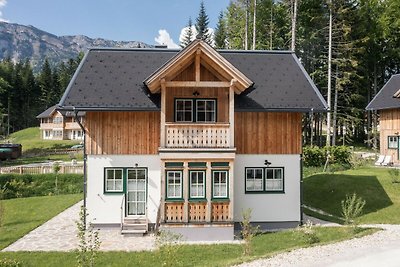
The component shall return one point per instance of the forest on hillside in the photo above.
(361, 37)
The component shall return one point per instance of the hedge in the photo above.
(29, 185)
(314, 156)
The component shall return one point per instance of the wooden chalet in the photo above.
(188, 139)
(387, 103)
(60, 124)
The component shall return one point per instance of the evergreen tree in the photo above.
(202, 24)
(45, 80)
(188, 37)
(220, 32)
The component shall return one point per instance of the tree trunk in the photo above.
(375, 114)
(328, 116)
(334, 122)
(294, 18)
(246, 30)
(254, 24)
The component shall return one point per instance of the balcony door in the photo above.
(136, 193)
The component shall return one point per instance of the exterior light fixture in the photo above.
(267, 163)
(196, 93)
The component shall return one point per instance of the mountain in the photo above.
(20, 42)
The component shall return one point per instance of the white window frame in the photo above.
(114, 180)
(273, 180)
(393, 142)
(174, 184)
(197, 184)
(253, 179)
(219, 184)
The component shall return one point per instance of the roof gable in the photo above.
(199, 53)
(387, 97)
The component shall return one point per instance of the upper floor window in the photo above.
(57, 120)
(392, 141)
(195, 110)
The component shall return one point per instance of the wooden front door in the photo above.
(136, 193)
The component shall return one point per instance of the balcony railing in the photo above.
(197, 212)
(197, 135)
(72, 126)
(49, 126)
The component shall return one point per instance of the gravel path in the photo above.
(379, 249)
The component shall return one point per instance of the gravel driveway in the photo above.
(379, 249)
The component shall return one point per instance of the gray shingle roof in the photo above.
(47, 113)
(384, 98)
(112, 79)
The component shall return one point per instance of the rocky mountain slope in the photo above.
(20, 42)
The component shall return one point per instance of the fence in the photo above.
(77, 169)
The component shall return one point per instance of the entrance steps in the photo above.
(137, 226)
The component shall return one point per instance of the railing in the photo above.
(197, 135)
(72, 125)
(122, 212)
(197, 212)
(77, 169)
(51, 126)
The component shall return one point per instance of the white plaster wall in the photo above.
(268, 207)
(105, 208)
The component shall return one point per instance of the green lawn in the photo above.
(325, 192)
(265, 245)
(25, 214)
(30, 139)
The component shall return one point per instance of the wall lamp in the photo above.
(267, 163)
(196, 93)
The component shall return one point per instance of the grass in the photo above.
(264, 245)
(38, 159)
(25, 214)
(326, 191)
(30, 140)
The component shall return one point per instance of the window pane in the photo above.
(110, 185)
(270, 173)
(118, 174)
(278, 173)
(118, 185)
(110, 174)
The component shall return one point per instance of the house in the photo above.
(191, 138)
(386, 102)
(60, 124)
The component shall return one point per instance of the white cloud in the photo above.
(164, 38)
(2, 4)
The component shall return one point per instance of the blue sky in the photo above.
(124, 20)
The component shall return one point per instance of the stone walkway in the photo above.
(59, 234)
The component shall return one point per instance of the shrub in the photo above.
(28, 185)
(314, 156)
(352, 207)
(394, 175)
(248, 232)
(308, 233)
(168, 244)
(9, 263)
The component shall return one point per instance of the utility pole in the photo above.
(328, 116)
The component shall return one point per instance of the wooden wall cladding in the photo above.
(122, 132)
(389, 125)
(268, 133)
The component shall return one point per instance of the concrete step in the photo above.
(133, 232)
(128, 220)
(135, 227)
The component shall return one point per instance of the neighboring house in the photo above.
(191, 138)
(60, 125)
(387, 103)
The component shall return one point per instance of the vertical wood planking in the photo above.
(268, 132)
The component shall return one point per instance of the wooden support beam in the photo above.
(162, 197)
(185, 190)
(197, 84)
(231, 190)
(163, 107)
(232, 112)
(197, 64)
(208, 192)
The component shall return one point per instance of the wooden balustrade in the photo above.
(220, 212)
(197, 212)
(174, 212)
(197, 136)
(72, 125)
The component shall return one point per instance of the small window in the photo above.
(254, 179)
(197, 184)
(274, 179)
(114, 180)
(205, 110)
(174, 184)
(220, 184)
(184, 110)
(57, 120)
(393, 142)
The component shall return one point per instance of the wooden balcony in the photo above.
(50, 126)
(197, 212)
(72, 126)
(216, 135)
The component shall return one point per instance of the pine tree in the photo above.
(202, 24)
(45, 80)
(220, 32)
(188, 34)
